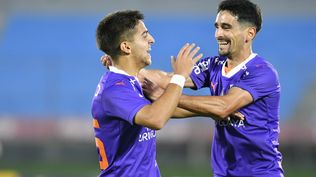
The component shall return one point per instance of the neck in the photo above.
(126, 64)
(238, 58)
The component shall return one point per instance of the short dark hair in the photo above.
(115, 28)
(244, 10)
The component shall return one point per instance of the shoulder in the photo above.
(214, 60)
(116, 80)
(113, 83)
(260, 69)
(259, 64)
(207, 63)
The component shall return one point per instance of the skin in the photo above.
(234, 38)
(234, 41)
(136, 55)
(136, 50)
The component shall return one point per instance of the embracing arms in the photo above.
(217, 107)
(156, 115)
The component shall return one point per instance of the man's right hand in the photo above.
(183, 64)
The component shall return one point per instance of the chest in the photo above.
(219, 83)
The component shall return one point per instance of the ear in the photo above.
(125, 47)
(251, 34)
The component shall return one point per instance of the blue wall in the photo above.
(50, 64)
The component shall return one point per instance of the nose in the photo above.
(151, 39)
(218, 33)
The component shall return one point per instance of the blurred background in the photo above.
(49, 69)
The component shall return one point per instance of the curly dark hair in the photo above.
(244, 10)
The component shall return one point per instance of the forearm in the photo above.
(183, 113)
(211, 106)
(163, 78)
(188, 82)
(159, 112)
(217, 106)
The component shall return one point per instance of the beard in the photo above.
(224, 53)
(224, 47)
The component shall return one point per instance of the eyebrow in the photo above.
(223, 24)
(145, 32)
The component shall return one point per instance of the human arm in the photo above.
(217, 106)
(161, 78)
(155, 115)
(153, 92)
(180, 113)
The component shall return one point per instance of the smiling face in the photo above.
(141, 45)
(231, 35)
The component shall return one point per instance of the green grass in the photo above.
(168, 169)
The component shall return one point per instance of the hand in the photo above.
(237, 115)
(185, 61)
(106, 60)
(158, 77)
(151, 90)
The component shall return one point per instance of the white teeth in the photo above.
(223, 43)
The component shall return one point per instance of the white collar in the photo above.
(238, 67)
(118, 71)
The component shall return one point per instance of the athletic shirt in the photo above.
(249, 147)
(124, 148)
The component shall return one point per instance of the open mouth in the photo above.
(222, 43)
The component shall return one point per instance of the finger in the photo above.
(103, 60)
(188, 49)
(197, 58)
(239, 115)
(193, 52)
(173, 60)
(108, 63)
(142, 72)
(180, 53)
(148, 82)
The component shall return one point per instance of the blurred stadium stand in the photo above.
(49, 67)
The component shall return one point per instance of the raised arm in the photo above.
(155, 115)
(162, 78)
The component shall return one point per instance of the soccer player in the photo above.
(239, 80)
(124, 120)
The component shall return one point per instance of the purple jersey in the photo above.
(249, 147)
(125, 149)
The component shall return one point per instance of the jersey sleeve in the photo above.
(200, 73)
(123, 102)
(259, 81)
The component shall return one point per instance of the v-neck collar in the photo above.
(238, 67)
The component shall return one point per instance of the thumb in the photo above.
(173, 60)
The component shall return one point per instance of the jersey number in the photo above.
(104, 160)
